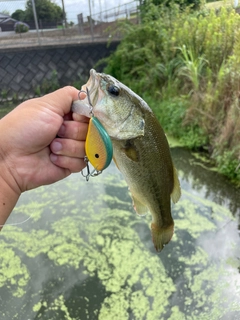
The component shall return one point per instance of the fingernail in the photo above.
(53, 157)
(82, 95)
(62, 130)
(56, 146)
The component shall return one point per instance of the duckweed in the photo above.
(85, 254)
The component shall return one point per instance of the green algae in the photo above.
(28, 209)
(214, 280)
(95, 234)
(176, 314)
(57, 309)
(13, 273)
(191, 220)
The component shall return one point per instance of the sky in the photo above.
(72, 7)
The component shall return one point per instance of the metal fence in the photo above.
(86, 27)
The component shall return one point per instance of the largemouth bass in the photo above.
(140, 150)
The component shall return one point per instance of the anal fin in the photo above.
(140, 208)
(176, 193)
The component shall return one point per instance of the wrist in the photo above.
(9, 192)
(8, 200)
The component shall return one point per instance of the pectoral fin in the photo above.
(131, 151)
(176, 193)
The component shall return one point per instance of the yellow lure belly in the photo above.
(98, 146)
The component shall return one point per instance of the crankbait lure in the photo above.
(98, 145)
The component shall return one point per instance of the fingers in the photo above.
(82, 95)
(72, 164)
(74, 130)
(68, 154)
(80, 117)
(68, 147)
(60, 101)
(68, 150)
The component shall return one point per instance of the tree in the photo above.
(18, 15)
(46, 11)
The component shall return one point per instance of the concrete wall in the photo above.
(22, 70)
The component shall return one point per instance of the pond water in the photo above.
(85, 254)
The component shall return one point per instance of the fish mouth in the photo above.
(92, 87)
(86, 105)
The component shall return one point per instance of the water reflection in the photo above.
(209, 184)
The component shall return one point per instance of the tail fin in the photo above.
(161, 236)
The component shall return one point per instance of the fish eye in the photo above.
(113, 90)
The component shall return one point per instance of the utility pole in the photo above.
(36, 21)
(64, 15)
(100, 7)
(90, 19)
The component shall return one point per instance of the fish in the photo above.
(140, 150)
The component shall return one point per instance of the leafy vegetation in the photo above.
(182, 3)
(21, 27)
(18, 15)
(185, 64)
(47, 11)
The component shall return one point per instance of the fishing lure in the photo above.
(98, 145)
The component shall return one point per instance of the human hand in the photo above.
(39, 142)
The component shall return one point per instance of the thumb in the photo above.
(60, 101)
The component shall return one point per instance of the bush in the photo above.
(21, 27)
(229, 165)
(188, 62)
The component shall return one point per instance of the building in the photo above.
(6, 22)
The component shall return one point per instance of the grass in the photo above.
(219, 4)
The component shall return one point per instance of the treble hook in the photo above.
(89, 174)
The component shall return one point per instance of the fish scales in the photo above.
(140, 151)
